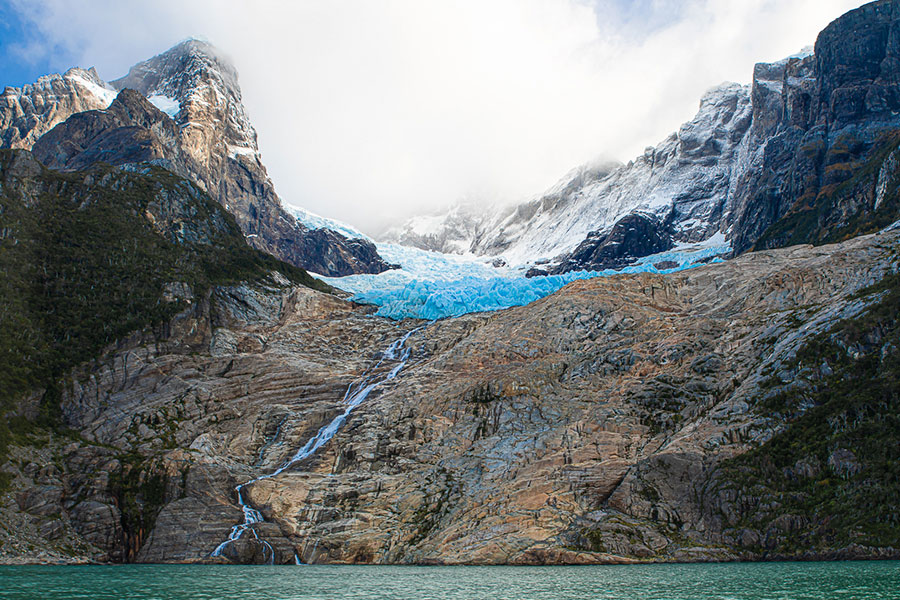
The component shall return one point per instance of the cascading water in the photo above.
(356, 393)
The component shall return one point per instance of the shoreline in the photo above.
(848, 554)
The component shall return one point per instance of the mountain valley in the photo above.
(194, 372)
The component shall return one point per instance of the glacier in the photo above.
(432, 286)
(311, 220)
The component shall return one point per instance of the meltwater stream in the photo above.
(356, 393)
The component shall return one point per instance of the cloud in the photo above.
(371, 110)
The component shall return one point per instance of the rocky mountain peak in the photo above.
(28, 112)
(200, 86)
(207, 137)
(807, 127)
(176, 70)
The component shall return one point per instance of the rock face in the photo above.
(582, 428)
(130, 131)
(29, 112)
(829, 158)
(798, 157)
(631, 237)
(88, 259)
(207, 138)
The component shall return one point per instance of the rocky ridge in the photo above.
(768, 165)
(29, 112)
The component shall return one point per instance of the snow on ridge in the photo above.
(105, 94)
(311, 220)
(804, 53)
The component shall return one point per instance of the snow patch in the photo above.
(805, 53)
(168, 105)
(716, 241)
(235, 151)
(106, 95)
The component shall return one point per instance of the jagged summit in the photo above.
(213, 143)
(198, 79)
(28, 112)
(178, 71)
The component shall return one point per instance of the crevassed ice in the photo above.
(432, 285)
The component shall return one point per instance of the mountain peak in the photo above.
(181, 66)
(195, 47)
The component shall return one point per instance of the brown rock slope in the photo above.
(582, 428)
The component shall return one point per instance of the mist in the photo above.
(372, 111)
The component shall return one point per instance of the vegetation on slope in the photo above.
(85, 258)
(845, 206)
(831, 478)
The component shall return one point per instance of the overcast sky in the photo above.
(372, 110)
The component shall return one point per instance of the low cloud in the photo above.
(369, 111)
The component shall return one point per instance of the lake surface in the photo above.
(765, 581)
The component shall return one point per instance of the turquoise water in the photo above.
(764, 581)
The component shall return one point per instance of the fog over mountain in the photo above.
(371, 112)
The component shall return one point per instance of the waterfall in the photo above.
(356, 393)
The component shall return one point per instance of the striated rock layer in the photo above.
(583, 428)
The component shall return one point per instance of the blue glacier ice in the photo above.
(431, 285)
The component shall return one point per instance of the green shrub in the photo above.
(83, 263)
(856, 408)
